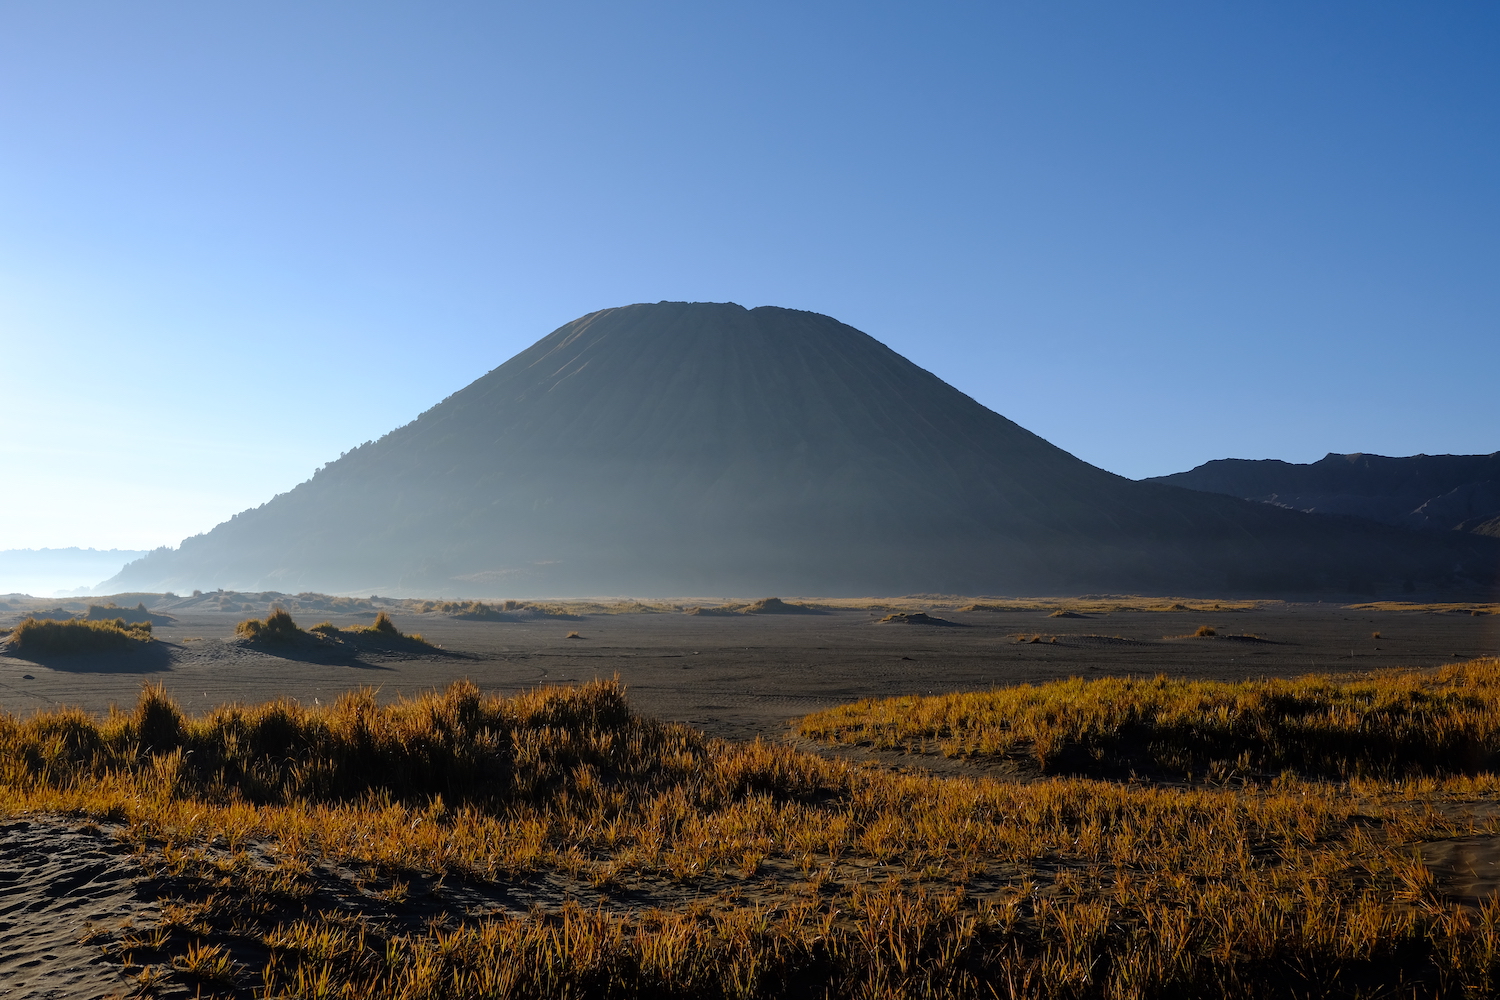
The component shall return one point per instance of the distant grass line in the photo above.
(47, 636)
(1060, 606)
(1461, 609)
(764, 606)
(111, 610)
(1398, 722)
(497, 609)
(481, 611)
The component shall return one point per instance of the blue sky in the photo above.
(239, 239)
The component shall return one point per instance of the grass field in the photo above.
(338, 850)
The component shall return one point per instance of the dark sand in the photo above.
(742, 676)
(62, 881)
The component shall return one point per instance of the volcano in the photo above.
(710, 449)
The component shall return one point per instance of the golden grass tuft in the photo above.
(40, 637)
(277, 626)
(1205, 632)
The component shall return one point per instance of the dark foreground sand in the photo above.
(60, 881)
(744, 676)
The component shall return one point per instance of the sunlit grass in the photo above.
(1396, 722)
(760, 871)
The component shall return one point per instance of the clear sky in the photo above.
(238, 239)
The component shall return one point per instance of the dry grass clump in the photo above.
(45, 636)
(706, 868)
(1399, 722)
(383, 631)
(277, 626)
(280, 628)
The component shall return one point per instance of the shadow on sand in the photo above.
(326, 654)
(151, 658)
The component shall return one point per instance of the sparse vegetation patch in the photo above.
(1452, 609)
(1109, 604)
(279, 628)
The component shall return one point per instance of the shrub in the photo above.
(1204, 632)
(277, 626)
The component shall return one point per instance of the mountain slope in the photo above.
(1427, 492)
(695, 448)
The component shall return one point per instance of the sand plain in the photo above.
(743, 676)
